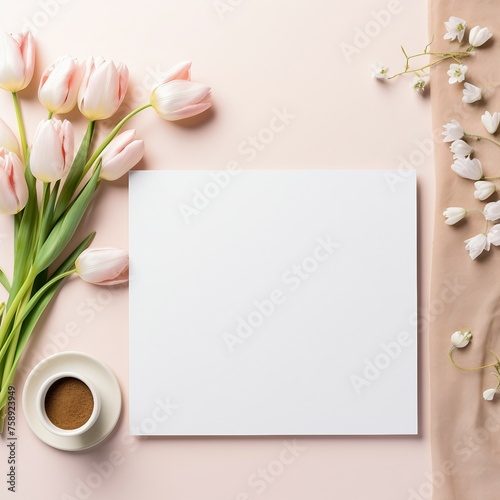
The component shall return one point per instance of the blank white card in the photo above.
(273, 302)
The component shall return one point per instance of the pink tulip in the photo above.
(13, 187)
(180, 71)
(53, 148)
(7, 139)
(17, 60)
(179, 99)
(103, 88)
(103, 266)
(59, 85)
(121, 154)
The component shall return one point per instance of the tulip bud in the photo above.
(59, 85)
(52, 152)
(8, 140)
(121, 154)
(179, 99)
(13, 187)
(461, 338)
(103, 266)
(180, 71)
(17, 60)
(103, 88)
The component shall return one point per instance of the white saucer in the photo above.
(98, 373)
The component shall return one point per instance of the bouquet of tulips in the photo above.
(47, 188)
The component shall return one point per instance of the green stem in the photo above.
(492, 365)
(443, 57)
(11, 311)
(111, 136)
(20, 125)
(479, 137)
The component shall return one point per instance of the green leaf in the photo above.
(48, 212)
(24, 245)
(35, 308)
(75, 173)
(66, 226)
(4, 281)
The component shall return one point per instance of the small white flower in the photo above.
(468, 168)
(492, 211)
(471, 93)
(479, 36)
(455, 28)
(491, 121)
(454, 215)
(489, 394)
(460, 149)
(379, 71)
(418, 84)
(477, 244)
(494, 235)
(484, 189)
(461, 338)
(457, 73)
(452, 131)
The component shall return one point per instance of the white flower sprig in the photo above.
(467, 167)
(455, 32)
(461, 339)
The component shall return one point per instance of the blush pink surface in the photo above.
(310, 59)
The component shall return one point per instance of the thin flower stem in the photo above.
(111, 136)
(443, 57)
(20, 125)
(492, 365)
(479, 137)
(51, 114)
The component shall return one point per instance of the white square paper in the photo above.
(272, 302)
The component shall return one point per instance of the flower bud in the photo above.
(491, 121)
(468, 168)
(179, 99)
(59, 85)
(103, 88)
(13, 187)
(53, 148)
(103, 266)
(479, 36)
(491, 211)
(17, 60)
(484, 189)
(121, 154)
(461, 338)
(489, 394)
(454, 215)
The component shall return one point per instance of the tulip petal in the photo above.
(103, 266)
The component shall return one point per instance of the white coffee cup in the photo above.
(42, 414)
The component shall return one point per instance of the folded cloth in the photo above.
(465, 294)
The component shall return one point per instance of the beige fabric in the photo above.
(465, 294)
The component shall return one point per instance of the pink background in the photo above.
(257, 56)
